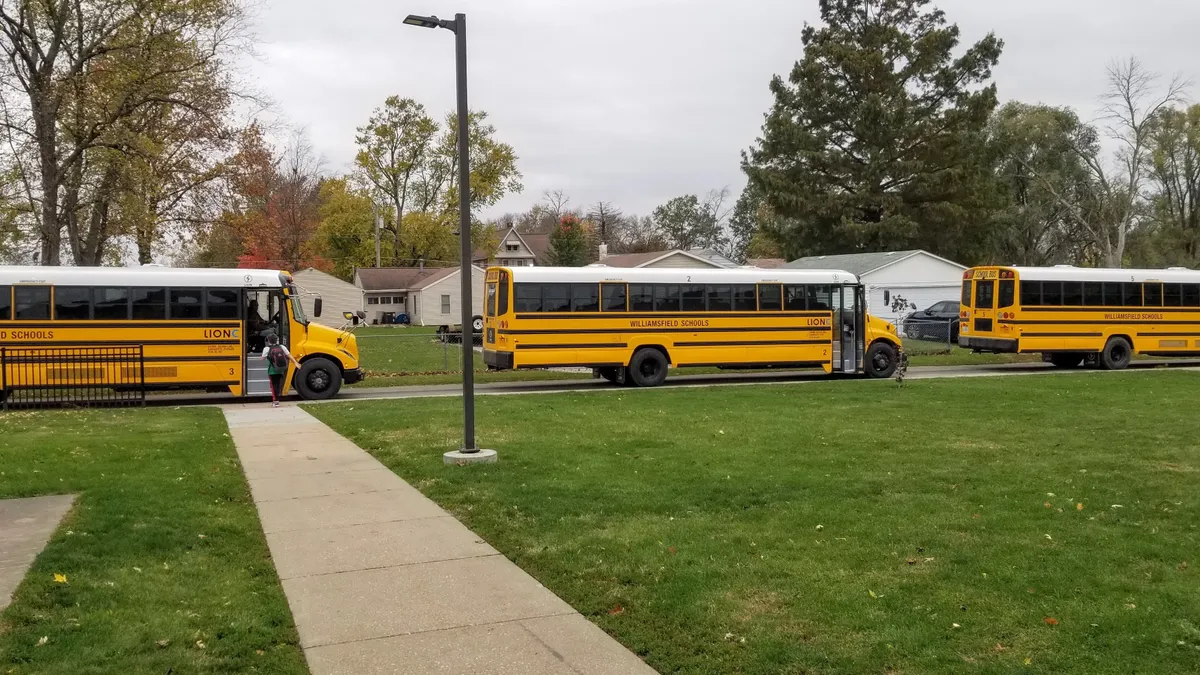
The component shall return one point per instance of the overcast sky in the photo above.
(637, 101)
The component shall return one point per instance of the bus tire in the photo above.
(1066, 359)
(648, 367)
(477, 324)
(318, 379)
(881, 360)
(1117, 354)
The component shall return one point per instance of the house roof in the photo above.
(705, 256)
(324, 276)
(396, 278)
(861, 263)
(403, 278)
(767, 263)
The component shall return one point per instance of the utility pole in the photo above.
(378, 228)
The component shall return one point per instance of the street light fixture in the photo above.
(469, 452)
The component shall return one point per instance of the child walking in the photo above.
(277, 357)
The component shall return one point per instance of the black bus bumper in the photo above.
(353, 376)
(495, 360)
(996, 345)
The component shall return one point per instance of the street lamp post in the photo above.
(469, 452)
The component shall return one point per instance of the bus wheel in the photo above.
(477, 324)
(1117, 354)
(881, 360)
(648, 367)
(1066, 359)
(318, 379)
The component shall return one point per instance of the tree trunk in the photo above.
(51, 229)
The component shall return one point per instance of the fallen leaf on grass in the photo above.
(616, 610)
(954, 625)
(1079, 507)
(200, 644)
(672, 550)
(1050, 621)
(1130, 606)
(163, 643)
(1028, 661)
(911, 561)
(1046, 504)
(1181, 566)
(60, 578)
(43, 641)
(259, 652)
(999, 648)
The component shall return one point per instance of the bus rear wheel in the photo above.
(881, 360)
(318, 379)
(648, 367)
(1066, 359)
(1117, 354)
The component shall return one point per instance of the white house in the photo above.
(429, 296)
(919, 277)
(337, 296)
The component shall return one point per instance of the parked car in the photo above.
(934, 322)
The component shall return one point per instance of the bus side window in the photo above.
(1113, 294)
(641, 298)
(529, 297)
(770, 298)
(612, 297)
(32, 302)
(820, 298)
(1132, 293)
(110, 303)
(149, 303)
(966, 293)
(222, 303)
(1093, 293)
(795, 298)
(1172, 295)
(5, 303)
(72, 303)
(1154, 295)
(1191, 295)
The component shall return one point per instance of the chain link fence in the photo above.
(928, 336)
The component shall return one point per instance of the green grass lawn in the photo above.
(395, 357)
(166, 567)
(1039, 524)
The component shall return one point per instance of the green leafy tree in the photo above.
(569, 243)
(1175, 178)
(1043, 183)
(876, 139)
(346, 234)
(410, 164)
(686, 222)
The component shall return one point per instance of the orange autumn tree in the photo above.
(271, 210)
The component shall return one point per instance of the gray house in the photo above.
(430, 296)
(337, 296)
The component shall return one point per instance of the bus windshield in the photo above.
(297, 308)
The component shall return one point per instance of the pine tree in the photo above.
(876, 140)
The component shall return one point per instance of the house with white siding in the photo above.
(337, 296)
(918, 277)
(424, 296)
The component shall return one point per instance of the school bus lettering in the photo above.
(27, 335)
(1133, 317)
(819, 322)
(669, 323)
(220, 333)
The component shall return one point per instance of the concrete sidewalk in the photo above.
(26, 526)
(381, 580)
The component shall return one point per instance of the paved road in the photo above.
(723, 379)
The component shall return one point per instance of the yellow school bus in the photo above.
(631, 325)
(196, 328)
(1071, 314)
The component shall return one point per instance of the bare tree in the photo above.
(555, 202)
(606, 217)
(1132, 103)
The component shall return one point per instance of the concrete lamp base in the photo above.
(460, 458)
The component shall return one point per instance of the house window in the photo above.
(445, 304)
(372, 300)
(512, 247)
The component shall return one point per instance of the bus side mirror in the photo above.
(317, 307)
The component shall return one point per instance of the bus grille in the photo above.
(983, 325)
